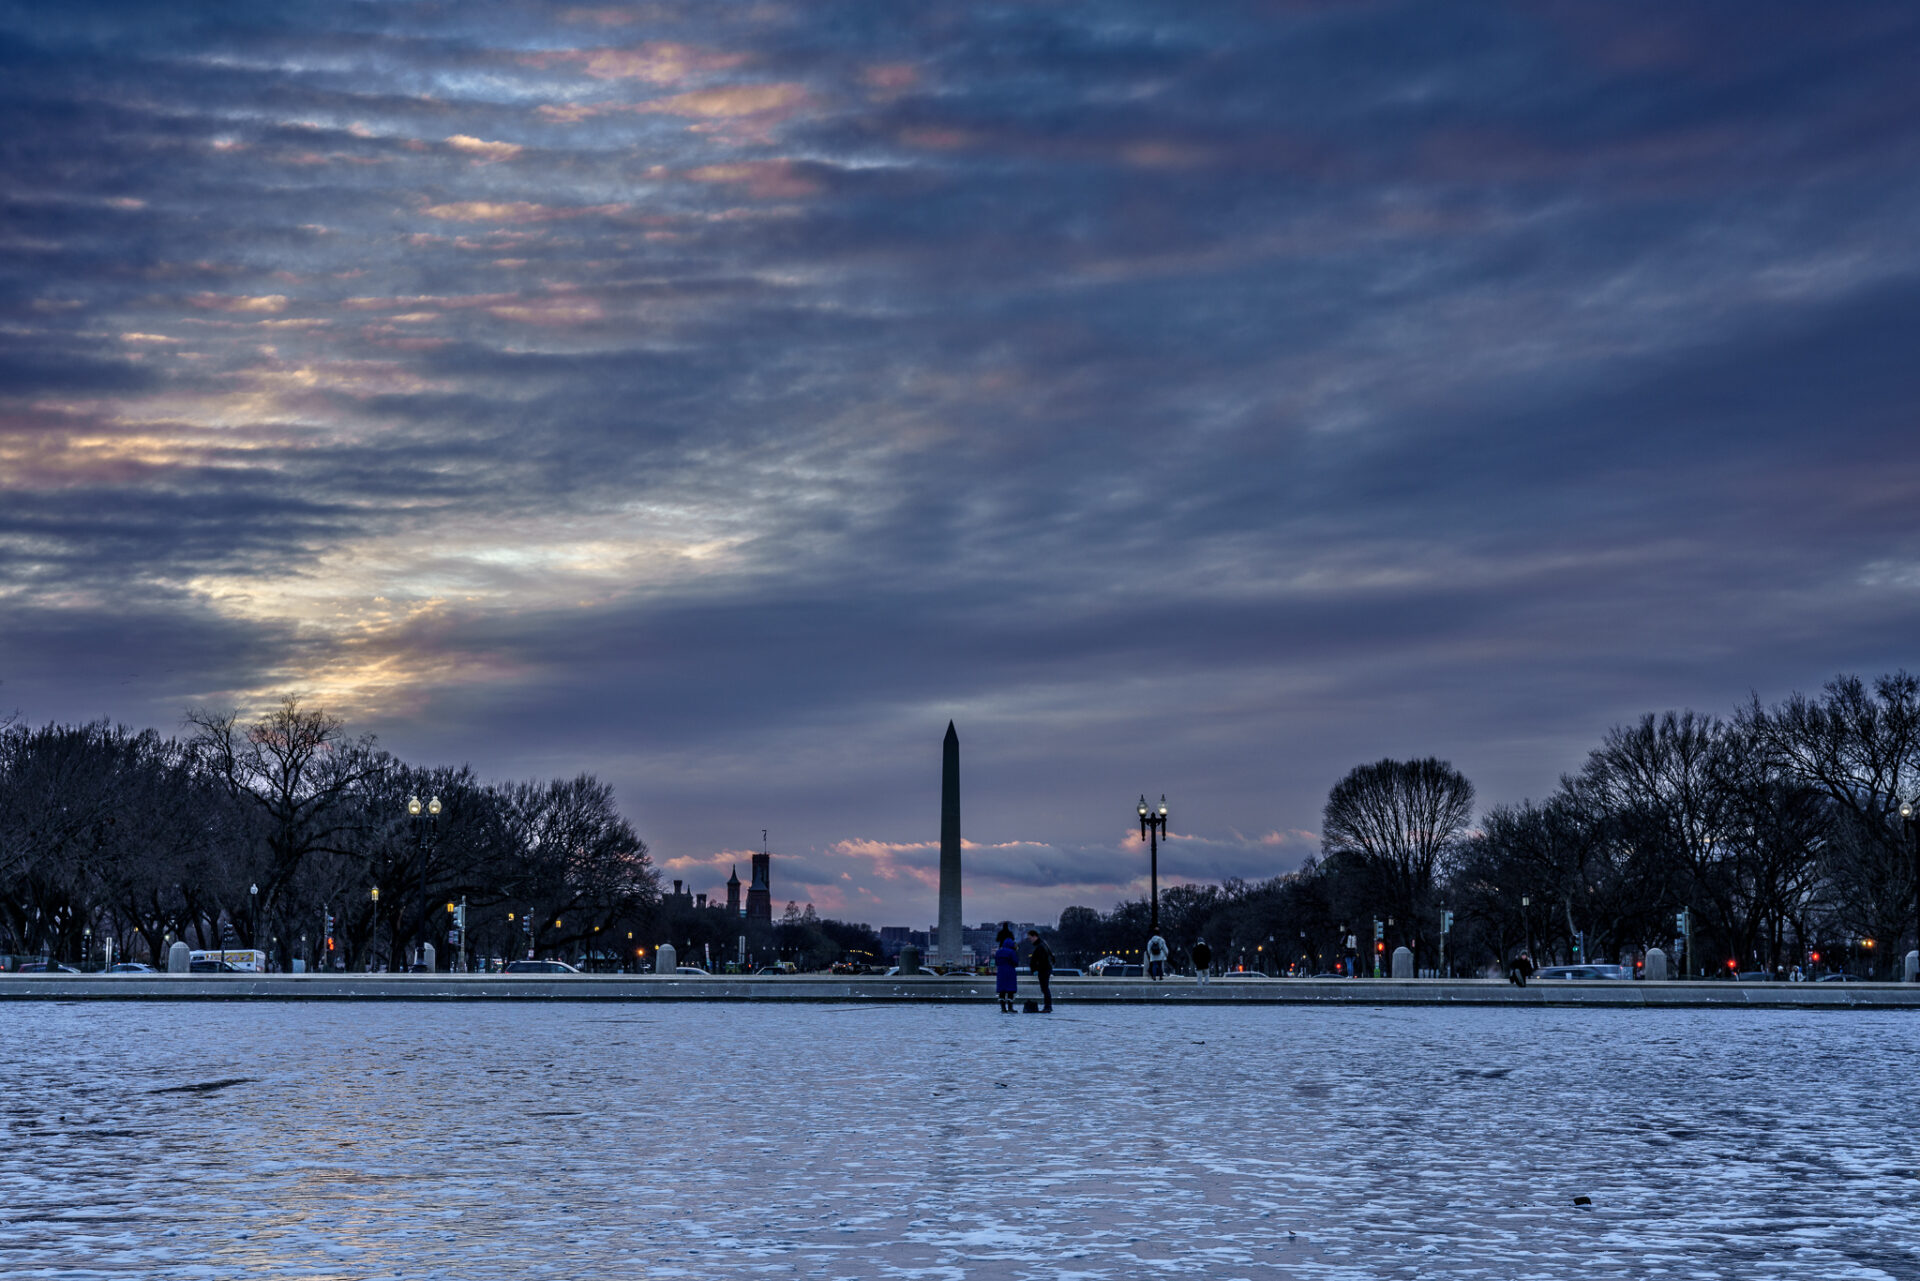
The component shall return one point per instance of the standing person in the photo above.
(1005, 981)
(1521, 970)
(1202, 961)
(1040, 961)
(1156, 957)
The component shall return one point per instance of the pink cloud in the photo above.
(765, 179)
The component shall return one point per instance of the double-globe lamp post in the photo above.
(1153, 826)
(423, 824)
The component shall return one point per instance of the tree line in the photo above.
(253, 834)
(1777, 830)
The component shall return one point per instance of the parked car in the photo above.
(693, 970)
(778, 967)
(44, 967)
(1068, 972)
(1840, 978)
(540, 967)
(205, 966)
(131, 967)
(1756, 976)
(1244, 975)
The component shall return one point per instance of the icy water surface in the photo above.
(588, 1141)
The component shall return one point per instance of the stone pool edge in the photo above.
(845, 989)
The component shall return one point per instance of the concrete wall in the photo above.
(536, 987)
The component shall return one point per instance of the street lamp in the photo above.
(1526, 925)
(376, 917)
(423, 826)
(1912, 830)
(253, 914)
(1153, 826)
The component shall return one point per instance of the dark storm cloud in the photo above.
(722, 398)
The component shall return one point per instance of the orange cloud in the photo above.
(568, 114)
(514, 211)
(484, 150)
(734, 101)
(766, 179)
(566, 309)
(239, 302)
(660, 62)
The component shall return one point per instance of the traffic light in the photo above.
(1379, 930)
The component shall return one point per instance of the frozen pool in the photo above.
(585, 1141)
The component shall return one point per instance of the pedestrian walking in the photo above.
(1006, 982)
(1202, 961)
(1040, 961)
(1520, 970)
(1156, 957)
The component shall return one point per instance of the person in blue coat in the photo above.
(1005, 982)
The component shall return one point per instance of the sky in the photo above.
(1184, 399)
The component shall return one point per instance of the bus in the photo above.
(251, 960)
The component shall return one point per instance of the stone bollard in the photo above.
(665, 959)
(1402, 963)
(178, 960)
(426, 956)
(1656, 970)
(1913, 967)
(909, 959)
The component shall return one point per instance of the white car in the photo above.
(692, 971)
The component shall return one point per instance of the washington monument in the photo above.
(952, 933)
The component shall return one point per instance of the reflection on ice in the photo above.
(516, 1141)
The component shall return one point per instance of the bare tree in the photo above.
(297, 768)
(1402, 819)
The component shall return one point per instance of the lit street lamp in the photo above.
(253, 916)
(1912, 830)
(375, 935)
(423, 826)
(1153, 826)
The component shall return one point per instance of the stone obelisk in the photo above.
(952, 934)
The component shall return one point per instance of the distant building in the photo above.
(680, 897)
(760, 892)
(895, 937)
(733, 891)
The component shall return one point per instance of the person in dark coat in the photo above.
(1202, 961)
(1521, 970)
(1005, 982)
(1040, 961)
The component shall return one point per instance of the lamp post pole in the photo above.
(423, 824)
(1911, 827)
(376, 922)
(1153, 825)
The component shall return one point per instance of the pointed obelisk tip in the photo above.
(953, 735)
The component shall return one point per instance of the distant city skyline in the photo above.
(721, 399)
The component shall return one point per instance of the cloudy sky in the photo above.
(1198, 399)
